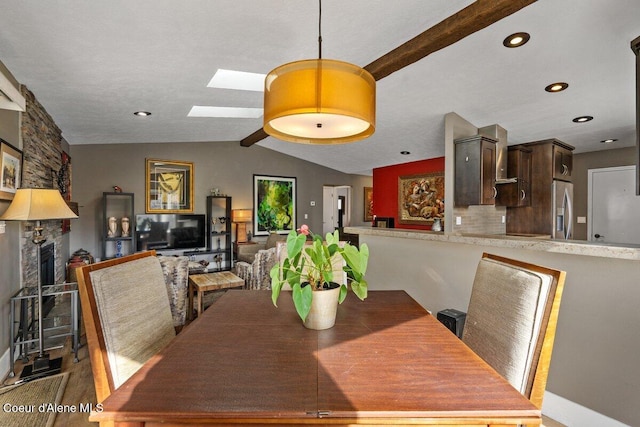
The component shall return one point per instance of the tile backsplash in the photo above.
(480, 219)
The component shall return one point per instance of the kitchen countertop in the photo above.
(535, 243)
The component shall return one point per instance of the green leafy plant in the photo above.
(312, 264)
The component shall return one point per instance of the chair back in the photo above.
(511, 320)
(127, 317)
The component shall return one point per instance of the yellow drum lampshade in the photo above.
(319, 101)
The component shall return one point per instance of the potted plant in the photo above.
(309, 270)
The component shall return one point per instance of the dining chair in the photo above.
(511, 320)
(127, 316)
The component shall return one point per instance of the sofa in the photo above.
(255, 261)
(257, 274)
(247, 253)
(175, 270)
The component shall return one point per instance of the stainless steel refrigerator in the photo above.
(562, 210)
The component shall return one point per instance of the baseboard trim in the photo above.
(572, 414)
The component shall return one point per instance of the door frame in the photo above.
(590, 173)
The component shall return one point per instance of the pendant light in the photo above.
(319, 101)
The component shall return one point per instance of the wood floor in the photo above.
(79, 386)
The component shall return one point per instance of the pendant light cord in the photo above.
(320, 29)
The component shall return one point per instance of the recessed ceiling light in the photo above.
(582, 119)
(516, 40)
(227, 112)
(142, 113)
(556, 87)
(405, 153)
(608, 141)
(239, 80)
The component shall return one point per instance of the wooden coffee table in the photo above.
(200, 283)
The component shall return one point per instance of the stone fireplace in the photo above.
(48, 264)
(42, 159)
(48, 273)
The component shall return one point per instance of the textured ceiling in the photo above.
(93, 63)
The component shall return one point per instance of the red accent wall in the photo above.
(385, 187)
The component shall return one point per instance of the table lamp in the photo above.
(38, 204)
(241, 217)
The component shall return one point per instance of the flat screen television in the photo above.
(170, 232)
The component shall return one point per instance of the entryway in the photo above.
(336, 207)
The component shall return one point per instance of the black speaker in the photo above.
(453, 319)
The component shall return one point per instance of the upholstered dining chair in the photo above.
(127, 316)
(511, 320)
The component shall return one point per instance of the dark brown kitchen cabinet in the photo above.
(562, 163)
(547, 160)
(518, 192)
(475, 171)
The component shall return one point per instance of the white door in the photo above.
(329, 210)
(613, 206)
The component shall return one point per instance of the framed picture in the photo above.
(274, 204)
(10, 170)
(420, 198)
(368, 204)
(63, 176)
(169, 186)
(63, 182)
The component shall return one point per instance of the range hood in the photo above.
(499, 134)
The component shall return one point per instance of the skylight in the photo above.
(239, 80)
(228, 112)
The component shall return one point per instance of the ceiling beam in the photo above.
(258, 135)
(478, 15)
(473, 18)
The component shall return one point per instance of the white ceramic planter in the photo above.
(323, 309)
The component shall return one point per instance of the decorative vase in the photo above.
(84, 256)
(324, 307)
(125, 226)
(112, 226)
(437, 225)
(73, 263)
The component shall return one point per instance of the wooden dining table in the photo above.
(386, 361)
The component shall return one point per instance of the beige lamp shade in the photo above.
(35, 204)
(241, 215)
(319, 101)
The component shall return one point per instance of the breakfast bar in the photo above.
(597, 318)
